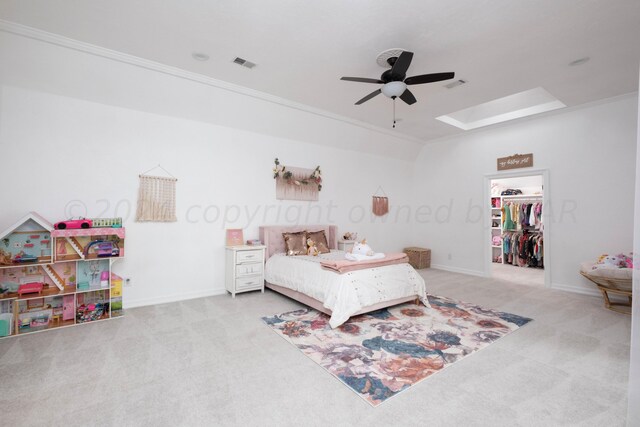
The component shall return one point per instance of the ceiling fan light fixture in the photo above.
(393, 89)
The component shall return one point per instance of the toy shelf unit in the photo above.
(86, 244)
(37, 296)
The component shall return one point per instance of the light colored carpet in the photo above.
(212, 361)
(518, 275)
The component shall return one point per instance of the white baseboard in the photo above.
(458, 270)
(576, 289)
(586, 291)
(172, 298)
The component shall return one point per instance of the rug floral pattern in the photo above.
(382, 353)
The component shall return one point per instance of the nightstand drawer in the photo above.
(249, 283)
(244, 269)
(248, 256)
(249, 269)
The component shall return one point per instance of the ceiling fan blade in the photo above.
(408, 97)
(361, 80)
(368, 97)
(401, 65)
(428, 78)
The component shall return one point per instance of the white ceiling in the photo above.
(302, 48)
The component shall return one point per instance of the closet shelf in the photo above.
(524, 196)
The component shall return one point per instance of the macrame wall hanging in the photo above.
(156, 197)
(380, 203)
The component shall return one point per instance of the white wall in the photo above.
(77, 129)
(633, 416)
(590, 155)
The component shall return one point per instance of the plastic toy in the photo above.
(30, 288)
(6, 287)
(104, 248)
(90, 312)
(104, 279)
(23, 257)
(107, 222)
(73, 224)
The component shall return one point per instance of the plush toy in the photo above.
(312, 249)
(611, 261)
(615, 261)
(350, 236)
(626, 260)
(361, 248)
(362, 252)
(496, 241)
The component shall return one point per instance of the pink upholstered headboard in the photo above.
(271, 235)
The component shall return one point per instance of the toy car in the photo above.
(73, 224)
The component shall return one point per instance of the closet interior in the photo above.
(517, 229)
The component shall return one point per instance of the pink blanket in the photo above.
(345, 266)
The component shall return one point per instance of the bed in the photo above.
(338, 295)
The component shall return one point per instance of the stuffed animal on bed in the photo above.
(312, 249)
(362, 252)
(361, 248)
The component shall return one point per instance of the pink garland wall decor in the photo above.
(297, 183)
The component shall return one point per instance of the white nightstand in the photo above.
(244, 269)
(345, 245)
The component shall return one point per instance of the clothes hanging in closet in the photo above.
(523, 248)
(518, 216)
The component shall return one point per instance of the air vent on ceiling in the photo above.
(455, 84)
(244, 62)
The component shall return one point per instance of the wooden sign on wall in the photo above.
(516, 161)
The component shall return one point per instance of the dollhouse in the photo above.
(55, 278)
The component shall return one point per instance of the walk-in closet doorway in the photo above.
(517, 228)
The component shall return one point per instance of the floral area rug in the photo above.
(383, 353)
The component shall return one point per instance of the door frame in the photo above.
(546, 215)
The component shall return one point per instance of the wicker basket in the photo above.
(418, 257)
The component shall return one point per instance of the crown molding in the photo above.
(58, 40)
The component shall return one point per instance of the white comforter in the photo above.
(344, 294)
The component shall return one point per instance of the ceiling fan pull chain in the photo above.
(394, 112)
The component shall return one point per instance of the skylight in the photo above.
(523, 104)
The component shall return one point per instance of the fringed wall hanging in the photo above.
(380, 203)
(156, 198)
(297, 183)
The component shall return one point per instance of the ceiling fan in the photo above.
(395, 80)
